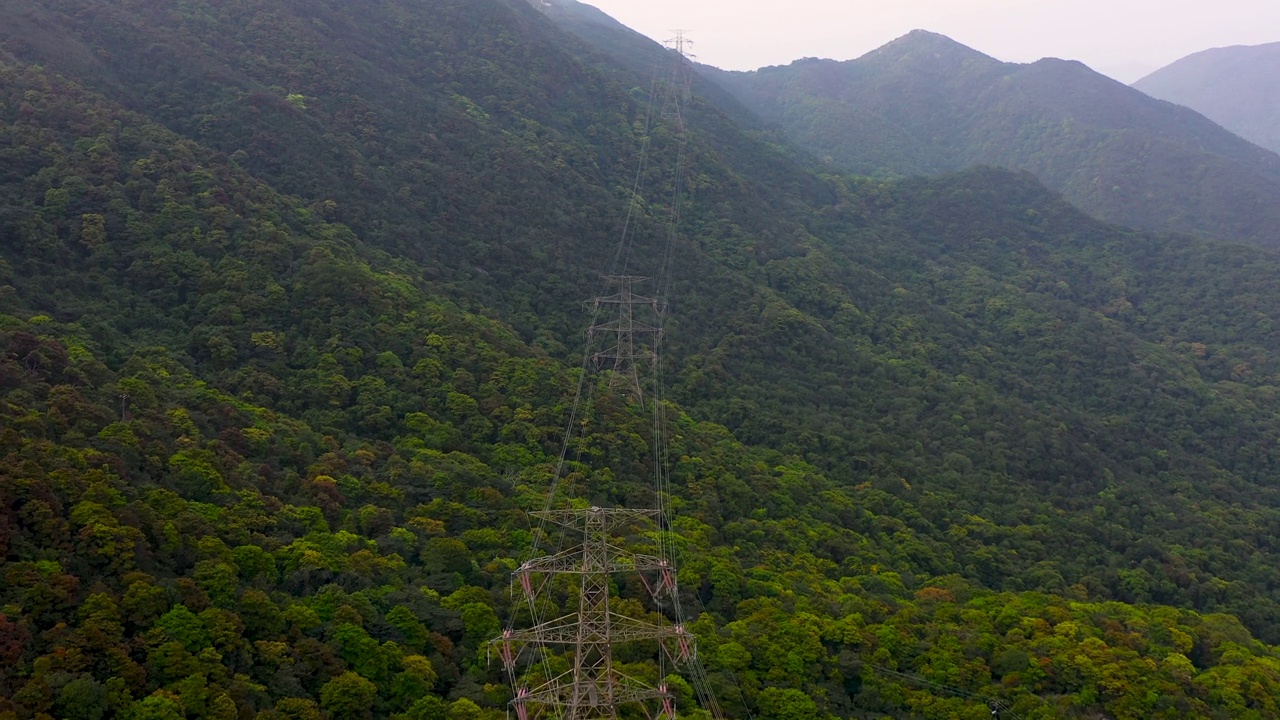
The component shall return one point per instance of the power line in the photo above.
(999, 708)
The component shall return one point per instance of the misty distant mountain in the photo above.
(925, 104)
(1237, 87)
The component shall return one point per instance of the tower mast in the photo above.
(594, 687)
(625, 351)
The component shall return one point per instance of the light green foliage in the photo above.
(788, 704)
(348, 697)
(157, 707)
(428, 708)
(417, 680)
(185, 627)
(464, 709)
(298, 709)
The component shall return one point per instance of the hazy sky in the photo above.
(1122, 38)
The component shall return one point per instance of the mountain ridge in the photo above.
(1234, 86)
(907, 108)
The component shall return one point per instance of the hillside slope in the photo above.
(926, 104)
(1236, 87)
(944, 427)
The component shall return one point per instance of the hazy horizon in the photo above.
(1124, 39)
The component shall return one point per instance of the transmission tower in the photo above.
(622, 339)
(681, 45)
(593, 686)
(681, 49)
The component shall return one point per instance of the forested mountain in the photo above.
(1237, 87)
(926, 104)
(289, 330)
(640, 56)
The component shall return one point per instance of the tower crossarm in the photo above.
(576, 519)
(571, 630)
(570, 561)
(625, 298)
(626, 281)
(623, 326)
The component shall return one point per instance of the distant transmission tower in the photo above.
(593, 686)
(681, 44)
(622, 339)
(681, 49)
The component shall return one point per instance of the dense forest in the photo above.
(289, 329)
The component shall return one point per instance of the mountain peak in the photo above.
(923, 45)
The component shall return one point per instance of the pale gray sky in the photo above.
(1122, 38)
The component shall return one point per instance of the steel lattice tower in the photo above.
(593, 687)
(623, 337)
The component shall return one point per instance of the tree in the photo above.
(261, 617)
(170, 661)
(298, 709)
(417, 680)
(360, 651)
(414, 632)
(185, 627)
(13, 638)
(82, 699)
(348, 697)
(464, 709)
(428, 707)
(100, 622)
(143, 602)
(786, 704)
(160, 706)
